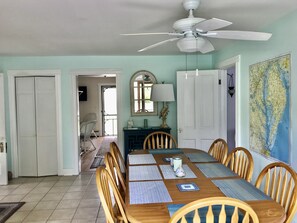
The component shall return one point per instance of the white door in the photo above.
(201, 108)
(26, 126)
(36, 126)
(3, 154)
(46, 126)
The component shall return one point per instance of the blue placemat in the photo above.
(165, 151)
(212, 170)
(147, 192)
(149, 172)
(141, 159)
(172, 208)
(240, 189)
(200, 157)
(168, 172)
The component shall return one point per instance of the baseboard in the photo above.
(69, 172)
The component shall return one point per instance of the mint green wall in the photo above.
(283, 41)
(163, 67)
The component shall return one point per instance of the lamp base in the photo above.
(163, 115)
(164, 125)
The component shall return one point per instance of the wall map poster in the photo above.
(270, 107)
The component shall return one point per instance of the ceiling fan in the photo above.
(191, 33)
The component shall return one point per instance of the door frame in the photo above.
(3, 154)
(231, 62)
(2, 104)
(100, 103)
(75, 108)
(12, 74)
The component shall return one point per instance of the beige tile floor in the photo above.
(55, 199)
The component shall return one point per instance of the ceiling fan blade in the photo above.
(211, 24)
(146, 34)
(158, 44)
(207, 46)
(238, 35)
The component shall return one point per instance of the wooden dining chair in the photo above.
(219, 150)
(110, 197)
(279, 181)
(240, 161)
(115, 152)
(234, 207)
(159, 140)
(115, 171)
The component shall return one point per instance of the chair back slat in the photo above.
(235, 215)
(279, 182)
(278, 186)
(290, 196)
(240, 161)
(267, 182)
(248, 213)
(284, 186)
(273, 182)
(246, 218)
(223, 215)
(196, 217)
(159, 140)
(209, 215)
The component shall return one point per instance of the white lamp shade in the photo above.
(162, 92)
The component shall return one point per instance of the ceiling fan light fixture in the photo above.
(190, 44)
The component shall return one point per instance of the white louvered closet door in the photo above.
(36, 126)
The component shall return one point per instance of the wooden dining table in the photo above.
(152, 189)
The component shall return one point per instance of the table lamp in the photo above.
(163, 93)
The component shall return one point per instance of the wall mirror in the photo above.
(140, 93)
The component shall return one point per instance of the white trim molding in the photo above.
(75, 108)
(12, 74)
(235, 61)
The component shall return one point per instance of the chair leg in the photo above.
(92, 144)
(93, 132)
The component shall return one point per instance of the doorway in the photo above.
(101, 95)
(231, 100)
(232, 65)
(109, 110)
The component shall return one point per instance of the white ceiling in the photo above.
(92, 27)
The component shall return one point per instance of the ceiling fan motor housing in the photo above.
(186, 24)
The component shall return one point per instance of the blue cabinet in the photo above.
(134, 137)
